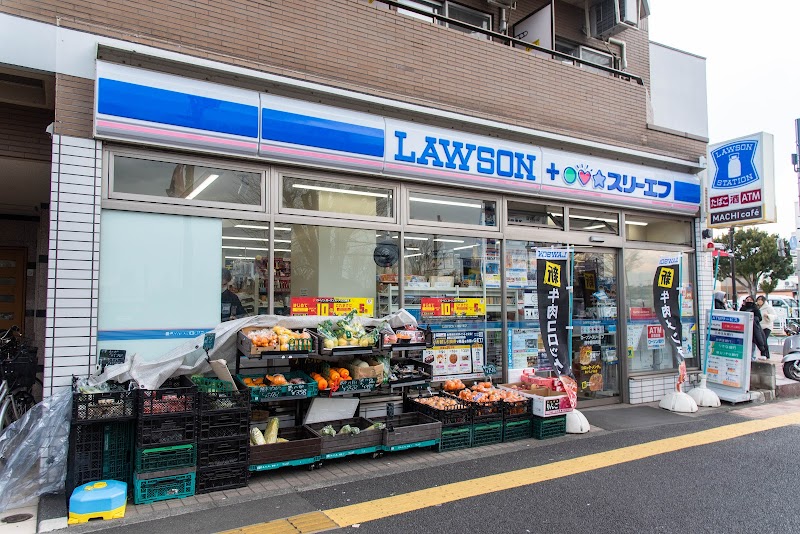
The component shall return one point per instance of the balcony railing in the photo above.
(555, 54)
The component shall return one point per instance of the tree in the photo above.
(757, 258)
(767, 286)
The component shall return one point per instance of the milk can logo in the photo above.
(735, 165)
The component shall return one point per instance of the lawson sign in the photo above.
(741, 181)
(164, 110)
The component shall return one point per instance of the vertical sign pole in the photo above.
(708, 325)
(735, 296)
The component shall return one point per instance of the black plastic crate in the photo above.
(519, 409)
(216, 395)
(118, 404)
(223, 452)
(456, 437)
(516, 429)
(549, 427)
(176, 396)
(157, 431)
(487, 433)
(455, 415)
(221, 478)
(85, 455)
(234, 424)
(486, 412)
(161, 458)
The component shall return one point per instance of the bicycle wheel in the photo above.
(21, 402)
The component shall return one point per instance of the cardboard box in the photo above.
(546, 402)
(375, 370)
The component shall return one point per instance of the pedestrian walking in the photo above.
(749, 305)
(768, 316)
(719, 301)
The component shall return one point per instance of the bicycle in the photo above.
(19, 366)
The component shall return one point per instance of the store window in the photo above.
(245, 268)
(359, 266)
(184, 183)
(452, 210)
(336, 198)
(658, 230)
(647, 349)
(530, 214)
(452, 284)
(599, 222)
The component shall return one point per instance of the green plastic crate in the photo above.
(118, 439)
(268, 393)
(164, 488)
(454, 438)
(162, 458)
(518, 429)
(487, 433)
(549, 427)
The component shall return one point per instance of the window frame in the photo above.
(664, 216)
(279, 209)
(181, 205)
(470, 194)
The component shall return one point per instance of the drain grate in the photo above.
(16, 518)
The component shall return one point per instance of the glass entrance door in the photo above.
(595, 360)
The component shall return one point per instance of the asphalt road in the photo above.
(743, 484)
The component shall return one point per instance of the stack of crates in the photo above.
(101, 437)
(487, 423)
(166, 448)
(549, 427)
(224, 435)
(456, 421)
(517, 423)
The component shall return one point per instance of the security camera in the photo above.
(49, 129)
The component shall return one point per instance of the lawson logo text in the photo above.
(735, 165)
(467, 157)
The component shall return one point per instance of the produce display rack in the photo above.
(303, 448)
(351, 387)
(406, 346)
(345, 445)
(409, 430)
(284, 392)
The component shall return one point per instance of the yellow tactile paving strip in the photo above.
(408, 502)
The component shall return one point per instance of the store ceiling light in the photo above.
(594, 227)
(282, 241)
(587, 218)
(200, 188)
(282, 229)
(244, 238)
(442, 240)
(446, 202)
(468, 246)
(411, 238)
(636, 223)
(412, 248)
(239, 258)
(412, 255)
(342, 191)
(282, 250)
(243, 248)
(252, 226)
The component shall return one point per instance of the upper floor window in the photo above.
(585, 53)
(451, 10)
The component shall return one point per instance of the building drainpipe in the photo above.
(623, 60)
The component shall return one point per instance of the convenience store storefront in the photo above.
(298, 200)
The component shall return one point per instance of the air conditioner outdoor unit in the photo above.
(609, 17)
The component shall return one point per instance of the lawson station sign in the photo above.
(741, 182)
(154, 108)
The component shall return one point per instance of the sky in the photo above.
(753, 74)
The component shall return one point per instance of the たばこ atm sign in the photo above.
(741, 181)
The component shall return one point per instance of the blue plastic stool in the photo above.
(105, 499)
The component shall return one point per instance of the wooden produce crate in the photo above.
(304, 447)
(408, 430)
(344, 445)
